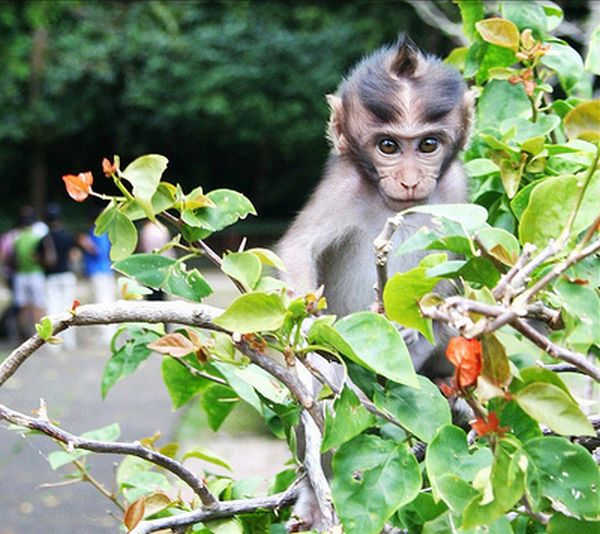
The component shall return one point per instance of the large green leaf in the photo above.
(566, 474)
(350, 419)
(421, 411)
(448, 454)
(181, 384)
(401, 297)
(229, 207)
(253, 312)
(245, 267)
(378, 345)
(550, 204)
(584, 121)
(471, 216)
(501, 100)
(127, 358)
(218, 401)
(526, 14)
(372, 479)
(551, 406)
(144, 174)
(566, 62)
(506, 484)
(471, 11)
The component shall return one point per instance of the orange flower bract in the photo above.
(79, 186)
(465, 355)
(491, 426)
(108, 168)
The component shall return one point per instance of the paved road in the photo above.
(70, 385)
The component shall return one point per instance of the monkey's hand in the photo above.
(409, 335)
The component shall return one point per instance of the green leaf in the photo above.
(471, 216)
(181, 384)
(554, 15)
(525, 129)
(506, 485)
(237, 382)
(496, 367)
(567, 64)
(471, 11)
(245, 267)
(123, 237)
(127, 358)
(144, 175)
(207, 456)
(551, 406)
(253, 312)
(268, 257)
(107, 433)
(401, 297)
(477, 269)
(526, 15)
(582, 304)
(368, 466)
(162, 200)
(592, 60)
(480, 167)
(44, 328)
(350, 419)
(420, 411)
(559, 524)
(499, 101)
(584, 121)
(378, 345)
(229, 207)
(148, 269)
(218, 401)
(566, 474)
(500, 32)
(500, 244)
(550, 205)
(448, 454)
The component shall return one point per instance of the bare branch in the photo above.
(224, 509)
(435, 17)
(288, 378)
(505, 281)
(122, 311)
(314, 470)
(112, 447)
(383, 246)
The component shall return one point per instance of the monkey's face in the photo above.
(408, 167)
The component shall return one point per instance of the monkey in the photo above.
(398, 121)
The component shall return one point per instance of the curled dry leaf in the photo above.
(79, 186)
(465, 355)
(134, 513)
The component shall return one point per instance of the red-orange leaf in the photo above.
(491, 426)
(465, 354)
(108, 168)
(134, 513)
(80, 186)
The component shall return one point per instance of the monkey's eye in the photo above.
(428, 144)
(388, 146)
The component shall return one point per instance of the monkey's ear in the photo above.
(468, 112)
(334, 128)
(407, 57)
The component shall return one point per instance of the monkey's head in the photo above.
(401, 118)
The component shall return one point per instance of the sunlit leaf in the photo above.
(500, 32)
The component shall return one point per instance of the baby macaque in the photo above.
(397, 123)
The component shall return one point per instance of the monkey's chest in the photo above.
(348, 274)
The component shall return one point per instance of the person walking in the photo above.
(55, 250)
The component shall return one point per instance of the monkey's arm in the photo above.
(326, 219)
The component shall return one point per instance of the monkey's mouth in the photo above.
(394, 192)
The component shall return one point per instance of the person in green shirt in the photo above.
(28, 275)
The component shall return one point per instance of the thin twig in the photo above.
(558, 269)
(224, 509)
(505, 280)
(122, 311)
(112, 447)
(573, 358)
